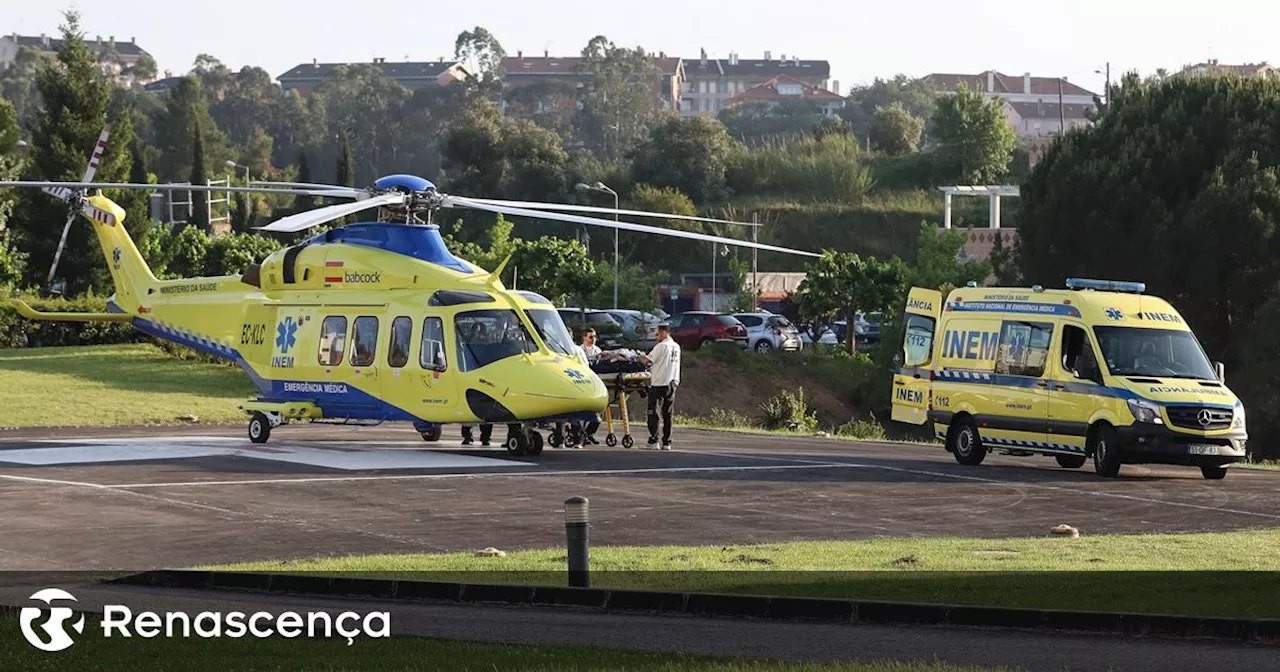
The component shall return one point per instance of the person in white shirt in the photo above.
(664, 378)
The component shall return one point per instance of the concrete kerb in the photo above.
(717, 605)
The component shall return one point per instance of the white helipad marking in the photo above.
(347, 458)
(417, 477)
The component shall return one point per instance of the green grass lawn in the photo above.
(92, 651)
(1210, 574)
(112, 385)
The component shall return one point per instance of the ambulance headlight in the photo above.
(1145, 411)
(1237, 416)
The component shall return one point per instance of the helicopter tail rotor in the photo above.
(76, 200)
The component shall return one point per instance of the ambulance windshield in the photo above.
(1162, 353)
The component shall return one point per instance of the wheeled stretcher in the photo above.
(620, 387)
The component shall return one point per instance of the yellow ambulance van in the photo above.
(1098, 370)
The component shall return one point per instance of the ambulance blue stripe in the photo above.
(1013, 307)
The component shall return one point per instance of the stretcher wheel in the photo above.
(555, 439)
(627, 442)
(611, 440)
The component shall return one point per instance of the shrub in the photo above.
(863, 429)
(17, 331)
(788, 411)
(719, 417)
(827, 168)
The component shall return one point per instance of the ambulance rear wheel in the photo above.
(1070, 461)
(1106, 452)
(965, 443)
(259, 427)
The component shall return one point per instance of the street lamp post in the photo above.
(601, 187)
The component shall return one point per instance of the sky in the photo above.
(861, 40)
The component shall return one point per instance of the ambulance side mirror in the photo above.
(1220, 370)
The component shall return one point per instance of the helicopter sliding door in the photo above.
(418, 376)
(347, 354)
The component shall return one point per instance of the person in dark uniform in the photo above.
(486, 431)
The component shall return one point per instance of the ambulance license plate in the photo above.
(1203, 449)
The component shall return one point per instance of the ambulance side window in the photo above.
(1078, 358)
(918, 342)
(1024, 348)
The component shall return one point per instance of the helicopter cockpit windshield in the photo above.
(487, 336)
(552, 330)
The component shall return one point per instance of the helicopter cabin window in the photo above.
(401, 335)
(333, 340)
(487, 336)
(364, 341)
(432, 356)
(552, 330)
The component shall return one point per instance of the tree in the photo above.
(346, 171)
(840, 284)
(186, 114)
(686, 153)
(9, 132)
(915, 95)
(975, 141)
(619, 102)
(200, 205)
(303, 203)
(938, 265)
(756, 121)
(483, 56)
(894, 131)
(76, 99)
(1180, 200)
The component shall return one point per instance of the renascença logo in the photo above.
(53, 627)
(118, 619)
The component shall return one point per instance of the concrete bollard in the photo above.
(575, 528)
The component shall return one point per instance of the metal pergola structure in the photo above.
(993, 192)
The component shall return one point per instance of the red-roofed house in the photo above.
(786, 87)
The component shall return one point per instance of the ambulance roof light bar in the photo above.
(1107, 285)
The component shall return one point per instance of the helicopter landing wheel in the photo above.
(259, 427)
(611, 440)
(535, 443)
(433, 434)
(515, 444)
(627, 441)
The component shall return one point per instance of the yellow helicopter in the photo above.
(369, 322)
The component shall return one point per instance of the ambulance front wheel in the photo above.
(1106, 452)
(1214, 473)
(965, 443)
(259, 427)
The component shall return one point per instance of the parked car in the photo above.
(866, 327)
(823, 335)
(695, 329)
(766, 331)
(608, 330)
(639, 329)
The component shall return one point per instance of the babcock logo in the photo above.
(55, 626)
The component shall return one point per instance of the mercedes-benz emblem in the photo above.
(1204, 417)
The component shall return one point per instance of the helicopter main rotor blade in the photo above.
(310, 218)
(589, 208)
(457, 201)
(337, 191)
(162, 187)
